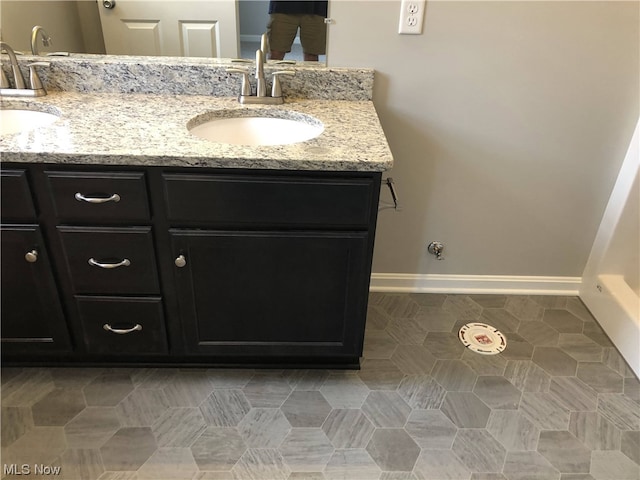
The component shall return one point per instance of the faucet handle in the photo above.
(4, 81)
(34, 78)
(245, 87)
(276, 89)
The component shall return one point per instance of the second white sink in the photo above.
(255, 127)
(18, 120)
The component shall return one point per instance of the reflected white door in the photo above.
(171, 28)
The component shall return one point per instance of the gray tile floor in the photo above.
(559, 403)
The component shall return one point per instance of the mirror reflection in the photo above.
(191, 28)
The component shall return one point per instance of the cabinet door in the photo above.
(32, 317)
(276, 294)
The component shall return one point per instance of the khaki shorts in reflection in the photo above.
(283, 27)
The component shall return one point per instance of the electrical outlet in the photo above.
(411, 17)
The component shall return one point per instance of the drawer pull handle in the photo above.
(32, 256)
(113, 198)
(180, 261)
(120, 331)
(124, 263)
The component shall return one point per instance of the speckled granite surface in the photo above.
(196, 76)
(134, 111)
(151, 130)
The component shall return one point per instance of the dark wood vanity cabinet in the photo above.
(32, 320)
(203, 266)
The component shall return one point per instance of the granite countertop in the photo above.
(150, 130)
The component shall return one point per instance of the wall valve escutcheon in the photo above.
(436, 248)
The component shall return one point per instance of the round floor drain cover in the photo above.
(482, 338)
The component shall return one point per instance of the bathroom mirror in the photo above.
(212, 29)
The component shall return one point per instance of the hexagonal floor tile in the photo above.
(225, 408)
(218, 448)
(465, 410)
(545, 411)
(562, 321)
(454, 375)
(108, 390)
(169, 463)
(554, 361)
(513, 430)
(610, 465)
(528, 465)
(57, 407)
(527, 376)
(413, 360)
(266, 390)
(380, 374)
(431, 429)
(600, 377)
(15, 422)
(344, 390)
(564, 452)
(348, 428)
(306, 450)
(574, 394)
(621, 410)
(258, 463)
(421, 391)
(82, 463)
(538, 333)
(393, 449)
(142, 407)
(595, 431)
(264, 428)
(306, 409)
(497, 392)
(128, 449)
(630, 445)
(524, 308)
(440, 464)
(179, 427)
(92, 427)
(351, 464)
(386, 409)
(444, 345)
(188, 389)
(479, 451)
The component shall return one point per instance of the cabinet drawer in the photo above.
(237, 200)
(110, 260)
(16, 202)
(99, 197)
(115, 325)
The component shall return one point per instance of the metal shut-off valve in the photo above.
(436, 248)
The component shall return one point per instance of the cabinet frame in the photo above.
(179, 333)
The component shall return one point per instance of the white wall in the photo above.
(508, 122)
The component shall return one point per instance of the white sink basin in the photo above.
(255, 127)
(18, 120)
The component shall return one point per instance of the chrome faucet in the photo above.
(46, 39)
(246, 95)
(261, 83)
(19, 88)
(18, 79)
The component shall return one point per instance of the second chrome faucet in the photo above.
(246, 92)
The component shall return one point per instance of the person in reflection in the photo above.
(286, 16)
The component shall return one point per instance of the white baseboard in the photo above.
(474, 284)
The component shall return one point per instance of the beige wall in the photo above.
(508, 122)
(59, 18)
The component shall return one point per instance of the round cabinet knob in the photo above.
(108, 3)
(32, 256)
(180, 261)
